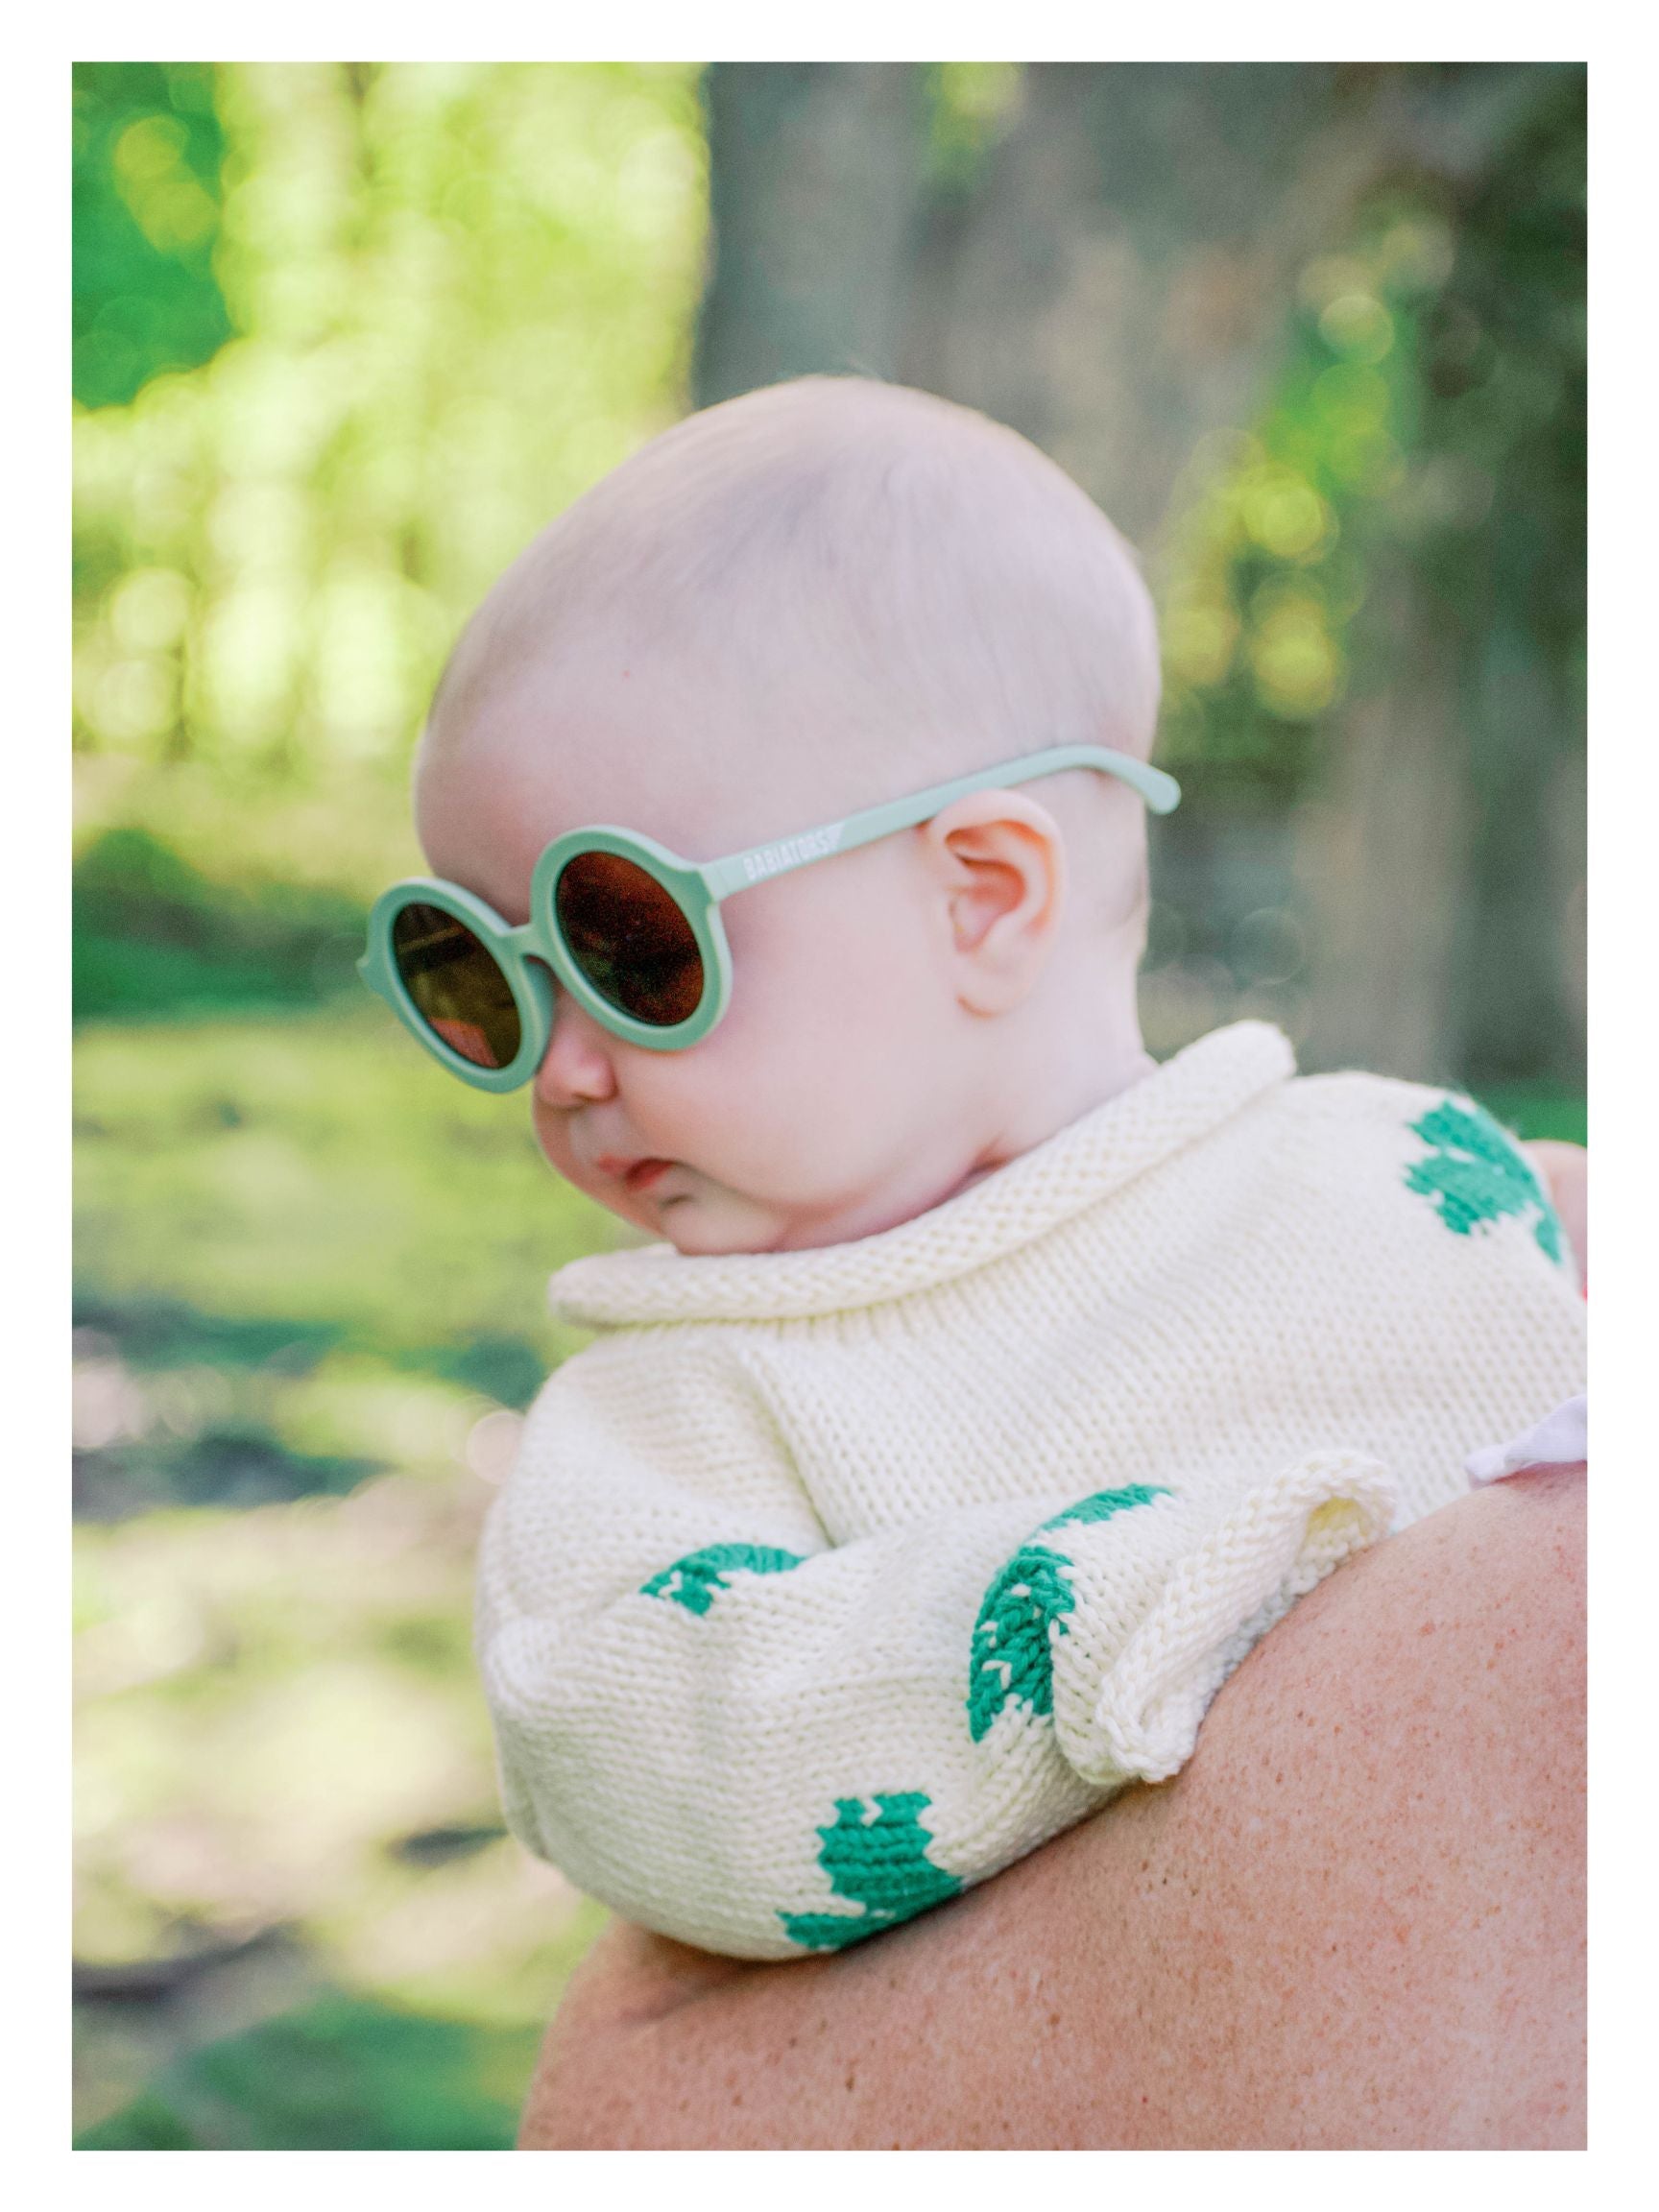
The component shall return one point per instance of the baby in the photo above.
(989, 1389)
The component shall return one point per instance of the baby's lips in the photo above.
(636, 1173)
(645, 1173)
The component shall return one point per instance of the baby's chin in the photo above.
(703, 1218)
(696, 1215)
(721, 1222)
(712, 1223)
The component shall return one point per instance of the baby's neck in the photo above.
(1025, 1117)
(1036, 1077)
(1076, 1084)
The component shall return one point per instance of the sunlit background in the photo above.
(345, 336)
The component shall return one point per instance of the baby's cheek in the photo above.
(787, 1109)
(547, 1142)
(782, 1147)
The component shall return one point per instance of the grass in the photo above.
(311, 1274)
(155, 936)
(312, 1176)
(341, 2075)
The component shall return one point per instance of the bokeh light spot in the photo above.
(1357, 326)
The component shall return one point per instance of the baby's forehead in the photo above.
(802, 603)
(601, 739)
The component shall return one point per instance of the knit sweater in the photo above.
(829, 1582)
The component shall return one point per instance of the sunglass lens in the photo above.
(457, 986)
(627, 935)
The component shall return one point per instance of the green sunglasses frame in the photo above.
(533, 957)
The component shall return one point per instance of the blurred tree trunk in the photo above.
(1110, 305)
(815, 189)
(1440, 860)
(1120, 308)
(1516, 990)
(1476, 886)
(1379, 854)
(1116, 308)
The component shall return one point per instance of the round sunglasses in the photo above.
(631, 930)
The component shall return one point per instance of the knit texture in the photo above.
(829, 1582)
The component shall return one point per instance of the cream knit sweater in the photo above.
(830, 1581)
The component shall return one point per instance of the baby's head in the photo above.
(800, 604)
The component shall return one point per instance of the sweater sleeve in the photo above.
(739, 1733)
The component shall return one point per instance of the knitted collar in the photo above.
(1181, 1101)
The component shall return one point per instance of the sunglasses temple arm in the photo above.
(721, 877)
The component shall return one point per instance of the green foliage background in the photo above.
(344, 337)
(1430, 410)
(148, 155)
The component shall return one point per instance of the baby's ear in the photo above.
(1002, 866)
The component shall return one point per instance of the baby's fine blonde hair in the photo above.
(907, 588)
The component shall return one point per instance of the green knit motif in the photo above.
(1473, 1175)
(1024, 1611)
(1105, 1502)
(694, 1581)
(881, 1861)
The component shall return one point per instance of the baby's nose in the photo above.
(577, 1063)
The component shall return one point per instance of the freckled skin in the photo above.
(1355, 1920)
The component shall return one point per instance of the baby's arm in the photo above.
(741, 1735)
